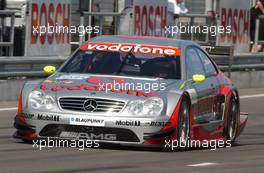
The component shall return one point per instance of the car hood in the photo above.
(106, 86)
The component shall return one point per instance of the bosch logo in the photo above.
(90, 105)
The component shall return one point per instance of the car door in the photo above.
(206, 92)
(211, 75)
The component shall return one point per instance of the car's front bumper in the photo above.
(24, 131)
(109, 129)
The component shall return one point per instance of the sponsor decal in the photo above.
(149, 17)
(205, 105)
(238, 20)
(28, 116)
(48, 117)
(58, 81)
(156, 124)
(87, 121)
(71, 77)
(237, 17)
(95, 84)
(47, 23)
(134, 48)
(88, 136)
(44, 13)
(127, 123)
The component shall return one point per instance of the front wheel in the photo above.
(184, 125)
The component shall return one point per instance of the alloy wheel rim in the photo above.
(233, 122)
(184, 125)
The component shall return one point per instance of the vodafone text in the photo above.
(134, 48)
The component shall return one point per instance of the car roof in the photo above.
(162, 41)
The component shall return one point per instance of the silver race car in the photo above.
(132, 90)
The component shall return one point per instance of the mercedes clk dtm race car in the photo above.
(132, 90)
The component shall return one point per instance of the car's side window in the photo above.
(208, 66)
(193, 63)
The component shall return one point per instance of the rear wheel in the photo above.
(232, 121)
(184, 125)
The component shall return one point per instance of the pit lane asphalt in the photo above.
(246, 156)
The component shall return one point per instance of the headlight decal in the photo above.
(38, 100)
(150, 107)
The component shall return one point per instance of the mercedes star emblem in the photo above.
(90, 105)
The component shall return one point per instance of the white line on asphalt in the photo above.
(7, 109)
(203, 164)
(252, 96)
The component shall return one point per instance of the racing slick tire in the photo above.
(183, 133)
(232, 120)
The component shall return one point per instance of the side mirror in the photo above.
(198, 78)
(49, 70)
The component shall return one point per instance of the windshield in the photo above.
(123, 64)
